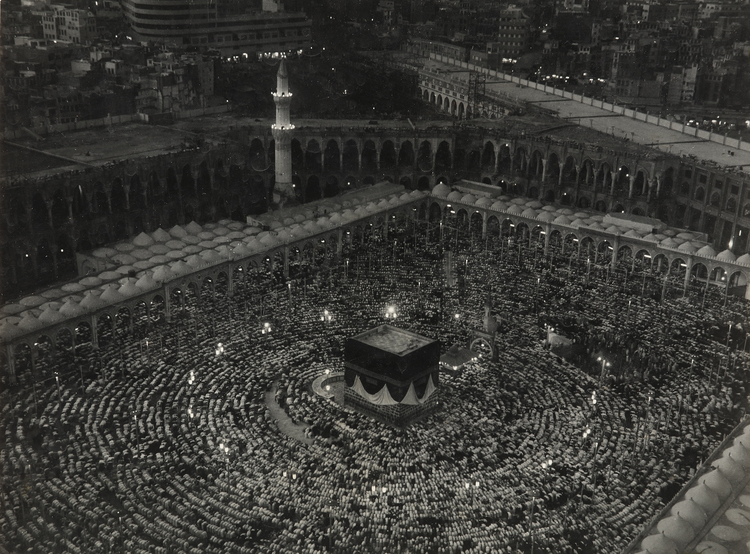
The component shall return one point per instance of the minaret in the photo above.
(282, 134)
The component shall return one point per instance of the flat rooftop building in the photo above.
(233, 28)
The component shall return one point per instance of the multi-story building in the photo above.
(389, 9)
(681, 87)
(514, 32)
(232, 27)
(61, 22)
(639, 92)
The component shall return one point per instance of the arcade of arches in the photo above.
(49, 220)
(616, 257)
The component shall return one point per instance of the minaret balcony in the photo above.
(282, 94)
(276, 127)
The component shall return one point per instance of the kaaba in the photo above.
(392, 375)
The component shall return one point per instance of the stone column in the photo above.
(167, 303)
(615, 249)
(94, 337)
(688, 269)
(11, 363)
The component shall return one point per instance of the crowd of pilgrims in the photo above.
(168, 446)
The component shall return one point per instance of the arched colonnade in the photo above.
(600, 248)
(200, 285)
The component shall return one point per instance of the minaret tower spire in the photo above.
(282, 134)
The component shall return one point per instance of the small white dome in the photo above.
(441, 189)
(707, 251)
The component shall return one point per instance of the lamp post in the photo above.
(546, 465)
(588, 270)
(470, 490)
(57, 380)
(605, 365)
(390, 312)
(326, 317)
(224, 449)
(137, 434)
(289, 477)
(531, 523)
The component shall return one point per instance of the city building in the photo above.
(232, 27)
(61, 22)
(513, 32)
(681, 85)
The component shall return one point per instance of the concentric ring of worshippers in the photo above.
(174, 448)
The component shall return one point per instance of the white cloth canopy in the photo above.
(383, 396)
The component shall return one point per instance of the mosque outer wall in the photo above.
(46, 220)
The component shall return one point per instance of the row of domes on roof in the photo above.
(688, 517)
(161, 257)
(533, 209)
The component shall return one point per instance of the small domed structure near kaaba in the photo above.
(392, 375)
